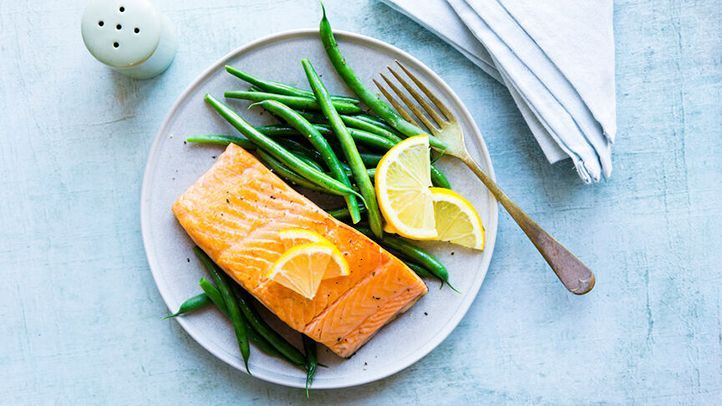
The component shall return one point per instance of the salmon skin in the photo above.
(235, 212)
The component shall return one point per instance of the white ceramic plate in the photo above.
(173, 166)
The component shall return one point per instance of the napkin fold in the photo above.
(556, 59)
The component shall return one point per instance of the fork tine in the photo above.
(441, 106)
(410, 104)
(396, 104)
(421, 100)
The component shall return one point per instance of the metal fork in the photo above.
(575, 276)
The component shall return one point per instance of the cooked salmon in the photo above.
(235, 211)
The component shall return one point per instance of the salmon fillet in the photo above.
(235, 211)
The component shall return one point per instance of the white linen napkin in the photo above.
(556, 58)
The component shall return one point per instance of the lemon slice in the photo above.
(338, 266)
(403, 179)
(457, 220)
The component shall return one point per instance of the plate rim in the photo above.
(491, 229)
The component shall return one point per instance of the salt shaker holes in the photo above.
(130, 36)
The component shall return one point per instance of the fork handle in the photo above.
(571, 271)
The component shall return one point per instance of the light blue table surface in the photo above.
(80, 314)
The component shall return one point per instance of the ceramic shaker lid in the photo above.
(121, 33)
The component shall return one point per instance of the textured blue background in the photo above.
(80, 313)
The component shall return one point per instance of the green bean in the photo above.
(277, 130)
(320, 144)
(381, 108)
(280, 88)
(234, 313)
(362, 137)
(356, 123)
(438, 178)
(310, 156)
(349, 148)
(308, 160)
(289, 352)
(370, 171)
(313, 117)
(309, 347)
(192, 304)
(222, 139)
(418, 269)
(342, 213)
(302, 103)
(376, 121)
(297, 149)
(284, 172)
(367, 123)
(277, 151)
(370, 160)
(212, 292)
(414, 254)
(253, 335)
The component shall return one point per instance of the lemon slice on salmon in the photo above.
(402, 181)
(457, 221)
(338, 266)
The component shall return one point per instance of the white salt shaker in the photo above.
(130, 36)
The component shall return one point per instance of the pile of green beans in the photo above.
(366, 130)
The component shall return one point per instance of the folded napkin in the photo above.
(556, 58)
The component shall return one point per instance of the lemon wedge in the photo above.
(338, 266)
(403, 179)
(457, 221)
